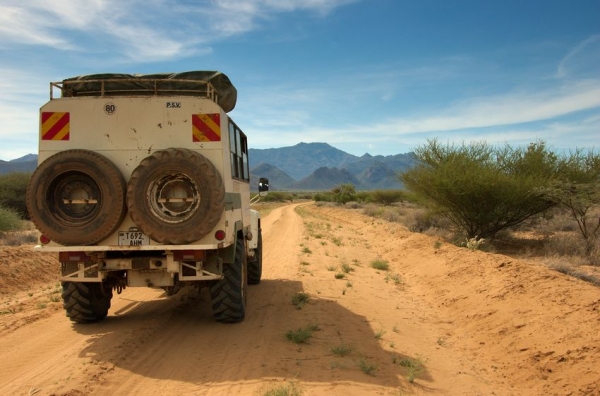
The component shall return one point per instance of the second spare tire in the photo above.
(175, 196)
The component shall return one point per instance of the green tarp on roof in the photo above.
(191, 83)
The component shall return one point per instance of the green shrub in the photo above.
(299, 299)
(288, 389)
(303, 195)
(414, 367)
(367, 367)
(483, 189)
(386, 197)
(278, 196)
(342, 350)
(9, 220)
(347, 268)
(380, 265)
(344, 193)
(363, 196)
(13, 187)
(323, 197)
(301, 335)
(578, 190)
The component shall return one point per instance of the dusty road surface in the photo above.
(441, 320)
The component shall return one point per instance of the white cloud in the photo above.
(382, 139)
(16, 27)
(151, 30)
(367, 106)
(515, 108)
(45, 22)
(321, 6)
(23, 94)
(582, 59)
(335, 98)
(518, 117)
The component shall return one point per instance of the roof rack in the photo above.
(135, 87)
(210, 85)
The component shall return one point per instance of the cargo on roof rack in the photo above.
(212, 85)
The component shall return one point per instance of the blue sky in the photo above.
(376, 76)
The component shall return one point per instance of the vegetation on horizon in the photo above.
(13, 209)
(13, 187)
(482, 190)
(9, 220)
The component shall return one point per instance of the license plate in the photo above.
(133, 238)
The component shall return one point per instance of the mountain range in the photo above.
(305, 166)
(319, 166)
(24, 164)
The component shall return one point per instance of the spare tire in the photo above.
(76, 197)
(176, 196)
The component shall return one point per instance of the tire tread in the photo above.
(85, 302)
(227, 295)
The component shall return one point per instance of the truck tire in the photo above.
(175, 196)
(228, 295)
(255, 265)
(86, 302)
(76, 197)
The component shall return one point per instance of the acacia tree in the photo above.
(482, 189)
(578, 189)
(344, 193)
(386, 197)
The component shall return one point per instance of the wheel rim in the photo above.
(174, 197)
(74, 198)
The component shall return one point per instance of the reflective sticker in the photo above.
(206, 127)
(55, 125)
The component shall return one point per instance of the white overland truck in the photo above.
(143, 180)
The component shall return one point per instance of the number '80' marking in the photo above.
(110, 108)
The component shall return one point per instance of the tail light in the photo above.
(220, 235)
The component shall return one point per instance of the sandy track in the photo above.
(480, 324)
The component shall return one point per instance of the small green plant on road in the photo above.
(302, 334)
(299, 299)
(381, 265)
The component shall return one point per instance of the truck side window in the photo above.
(238, 144)
(245, 165)
(238, 152)
(232, 146)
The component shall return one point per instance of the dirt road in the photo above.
(441, 320)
